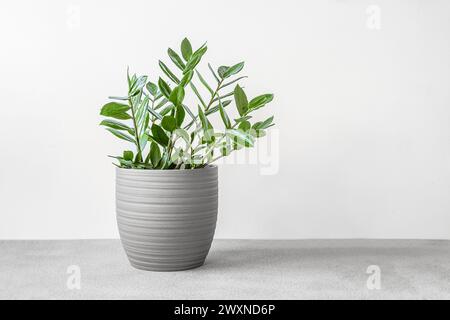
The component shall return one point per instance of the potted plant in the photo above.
(167, 185)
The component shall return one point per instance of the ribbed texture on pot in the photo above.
(166, 218)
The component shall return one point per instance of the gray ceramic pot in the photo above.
(166, 218)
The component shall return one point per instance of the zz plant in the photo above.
(166, 132)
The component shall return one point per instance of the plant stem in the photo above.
(136, 136)
(213, 95)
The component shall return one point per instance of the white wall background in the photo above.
(363, 114)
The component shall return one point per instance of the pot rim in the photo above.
(207, 167)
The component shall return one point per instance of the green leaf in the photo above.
(115, 110)
(243, 119)
(186, 78)
(231, 82)
(257, 133)
(164, 162)
(183, 134)
(168, 73)
(224, 116)
(159, 135)
(240, 137)
(233, 70)
(244, 126)
(186, 49)
(118, 98)
(189, 112)
(123, 163)
(177, 95)
(155, 113)
(221, 71)
(128, 155)
(164, 87)
(200, 51)
(143, 141)
(224, 96)
(241, 100)
(214, 74)
(152, 88)
(169, 123)
(264, 124)
(161, 103)
(155, 154)
(216, 107)
(259, 101)
(180, 113)
(176, 59)
(203, 81)
(197, 94)
(136, 85)
(192, 63)
(206, 125)
(121, 135)
(167, 109)
(115, 125)
(195, 59)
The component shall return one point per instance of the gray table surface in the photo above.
(235, 269)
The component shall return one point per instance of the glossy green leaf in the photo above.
(115, 110)
(183, 134)
(161, 103)
(257, 133)
(167, 109)
(164, 87)
(177, 95)
(121, 135)
(152, 88)
(186, 49)
(194, 89)
(243, 119)
(168, 72)
(241, 100)
(128, 155)
(187, 78)
(203, 81)
(159, 135)
(206, 125)
(200, 51)
(155, 113)
(169, 123)
(233, 70)
(244, 126)
(192, 63)
(119, 98)
(115, 125)
(221, 71)
(259, 101)
(222, 97)
(240, 137)
(231, 82)
(180, 113)
(176, 59)
(224, 116)
(155, 154)
(195, 59)
(213, 73)
(263, 124)
(216, 107)
(189, 112)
